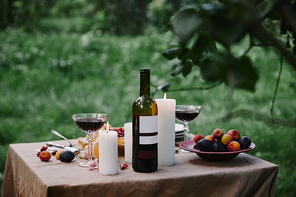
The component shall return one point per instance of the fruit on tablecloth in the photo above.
(95, 149)
(234, 134)
(205, 145)
(57, 155)
(219, 147)
(45, 156)
(226, 139)
(43, 148)
(245, 142)
(198, 137)
(83, 141)
(66, 156)
(233, 146)
(211, 138)
(218, 133)
(123, 166)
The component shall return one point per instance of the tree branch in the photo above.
(197, 88)
(260, 117)
(277, 84)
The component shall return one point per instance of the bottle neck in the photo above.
(145, 84)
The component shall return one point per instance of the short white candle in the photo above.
(128, 142)
(166, 131)
(108, 152)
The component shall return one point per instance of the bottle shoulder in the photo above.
(145, 105)
(144, 99)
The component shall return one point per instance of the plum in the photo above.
(205, 145)
(245, 142)
(219, 147)
(66, 156)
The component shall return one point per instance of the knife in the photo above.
(74, 150)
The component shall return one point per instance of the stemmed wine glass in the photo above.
(186, 114)
(89, 123)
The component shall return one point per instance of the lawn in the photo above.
(47, 77)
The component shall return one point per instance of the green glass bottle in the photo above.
(145, 128)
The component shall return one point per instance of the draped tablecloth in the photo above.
(26, 175)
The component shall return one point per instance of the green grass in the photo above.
(45, 78)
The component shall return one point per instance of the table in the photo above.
(25, 175)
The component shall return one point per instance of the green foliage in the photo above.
(199, 30)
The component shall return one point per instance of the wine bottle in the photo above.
(145, 128)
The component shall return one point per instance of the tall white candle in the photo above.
(128, 142)
(108, 152)
(166, 131)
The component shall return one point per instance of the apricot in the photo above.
(226, 139)
(234, 134)
(197, 137)
(45, 156)
(211, 138)
(233, 146)
(218, 133)
(57, 155)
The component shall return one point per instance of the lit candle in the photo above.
(108, 157)
(107, 126)
(166, 131)
(128, 142)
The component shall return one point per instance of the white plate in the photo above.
(179, 128)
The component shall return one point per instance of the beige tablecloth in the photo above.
(26, 175)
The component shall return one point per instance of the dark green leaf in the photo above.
(209, 70)
(236, 73)
(187, 68)
(204, 43)
(245, 76)
(229, 32)
(185, 24)
(164, 87)
(185, 54)
(178, 69)
(172, 53)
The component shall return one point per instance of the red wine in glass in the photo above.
(89, 124)
(184, 115)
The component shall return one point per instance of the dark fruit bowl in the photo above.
(213, 156)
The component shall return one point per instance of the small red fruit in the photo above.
(234, 134)
(211, 138)
(123, 166)
(45, 156)
(233, 146)
(198, 137)
(226, 139)
(218, 133)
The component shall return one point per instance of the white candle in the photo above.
(128, 142)
(108, 149)
(166, 131)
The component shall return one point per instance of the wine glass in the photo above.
(186, 114)
(89, 123)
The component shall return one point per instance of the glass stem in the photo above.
(90, 144)
(186, 129)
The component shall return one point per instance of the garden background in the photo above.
(58, 58)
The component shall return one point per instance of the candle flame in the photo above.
(164, 96)
(108, 126)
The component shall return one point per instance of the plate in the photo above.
(179, 128)
(214, 156)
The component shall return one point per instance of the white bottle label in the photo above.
(148, 130)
